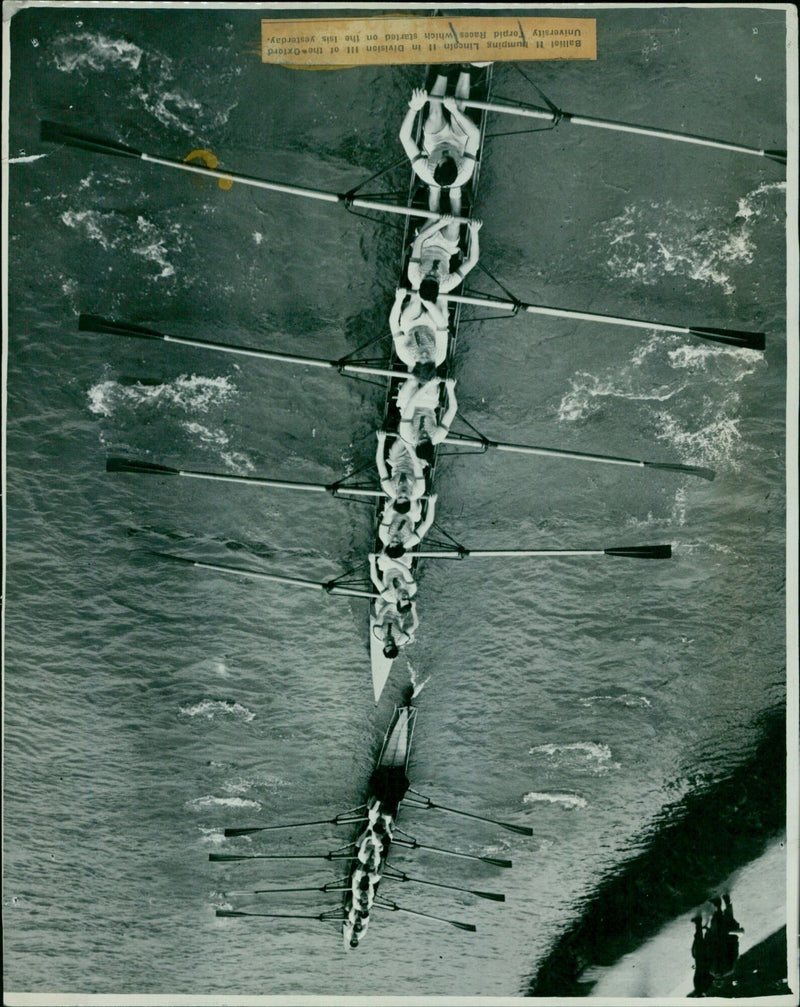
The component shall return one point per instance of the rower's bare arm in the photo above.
(373, 572)
(452, 404)
(474, 248)
(394, 315)
(425, 525)
(380, 460)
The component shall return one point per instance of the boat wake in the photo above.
(416, 684)
(624, 700)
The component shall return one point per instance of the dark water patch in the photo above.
(696, 844)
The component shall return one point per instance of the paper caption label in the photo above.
(327, 42)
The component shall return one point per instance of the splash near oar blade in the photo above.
(689, 470)
(55, 132)
(642, 551)
(731, 337)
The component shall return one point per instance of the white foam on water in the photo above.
(570, 801)
(190, 393)
(625, 700)
(210, 801)
(237, 461)
(713, 443)
(415, 682)
(96, 52)
(754, 204)
(211, 708)
(241, 784)
(213, 837)
(90, 224)
(588, 753)
(203, 434)
(588, 392)
(26, 158)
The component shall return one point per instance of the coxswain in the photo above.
(449, 145)
(419, 330)
(419, 426)
(407, 480)
(389, 784)
(429, 266)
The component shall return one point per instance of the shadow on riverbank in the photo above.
(696, 844)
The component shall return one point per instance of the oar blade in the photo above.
(776, 155)
(496, 861)
(642, 551)
(469, 927)
(94, 323)
(124, 465)
(491, 896)
(226, 857)
(690, 470)
(521, 830)
(731, 337)
(240, 832)
(55, 132)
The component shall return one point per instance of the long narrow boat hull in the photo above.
(381, 666)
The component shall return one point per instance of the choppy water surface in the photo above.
(149, 705)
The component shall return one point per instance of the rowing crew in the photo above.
(426, 404)
(372, 848)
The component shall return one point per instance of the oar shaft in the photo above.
(526, 112)
(279, 579)
(281, 484)
(530, 449)
(285, 358)
(483, 553)
(586, 316)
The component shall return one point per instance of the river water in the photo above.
(148, 705)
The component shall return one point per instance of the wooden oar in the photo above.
(412, 844)
(402, 876)
(584, 456)
(345, 818)
(419, 801)
(231, 857)
(557, 116)
(54, 132)
(327, 586)
(151, 468)
(632, 552)
(731, 337)
(94, 323)
(322, 917)
(334, 886)
(393, 907)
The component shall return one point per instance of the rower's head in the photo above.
(402, 505)
(426, 450)
(446, 171)
(403, 603)
(354, 941)
(429, 289)
(390, 650)
(364, 884)
(424, 371)
(395, 550)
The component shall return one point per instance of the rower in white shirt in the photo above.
(419, 426)
(429, 266)
(419, 329)
(400, 534)
(407, 480)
